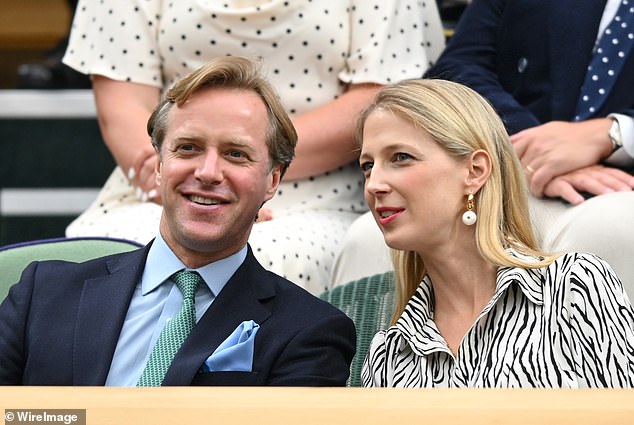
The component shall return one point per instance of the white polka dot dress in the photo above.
(309, 50)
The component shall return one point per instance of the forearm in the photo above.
(123, 110)
(326, 134)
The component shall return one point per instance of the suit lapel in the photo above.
(573, 31)
(102, 310)
(240, 300)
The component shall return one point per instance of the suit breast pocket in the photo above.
(226, 379)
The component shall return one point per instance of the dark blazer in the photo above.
(529, 58)
(60, 325)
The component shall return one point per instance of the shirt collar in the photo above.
(161, 263)
(419, 309)
(530, 281)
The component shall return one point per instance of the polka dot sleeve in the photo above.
(392, 40)
(116, 39)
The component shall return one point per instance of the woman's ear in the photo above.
(479, 169)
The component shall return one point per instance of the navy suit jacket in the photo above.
(529, 58)
(60, 325)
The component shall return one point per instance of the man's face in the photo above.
(214, 173)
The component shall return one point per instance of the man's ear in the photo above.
(274, 177)
(158, 166)
(480, 165)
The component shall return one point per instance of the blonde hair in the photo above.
(461, 122)
(233, 72)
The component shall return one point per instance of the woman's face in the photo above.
(414, 188)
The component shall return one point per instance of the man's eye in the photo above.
(236, 154)
(187, 147)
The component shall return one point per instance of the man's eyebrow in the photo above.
(186, 138)
(240, 143)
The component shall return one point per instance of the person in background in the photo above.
(478, 303)
(326, 60)
(579, 162)
(193, 307)
(51, 72)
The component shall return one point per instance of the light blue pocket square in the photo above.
(235, 354)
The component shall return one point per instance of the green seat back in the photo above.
(369, 302)
(15, 258)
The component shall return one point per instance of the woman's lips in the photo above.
(388, 214)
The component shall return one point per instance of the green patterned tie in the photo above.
(174, 333)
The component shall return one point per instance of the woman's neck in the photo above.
(463, 286)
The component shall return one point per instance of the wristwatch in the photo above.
(615, 135)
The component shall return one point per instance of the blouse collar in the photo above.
(416, 323)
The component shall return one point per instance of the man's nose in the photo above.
(209, 169)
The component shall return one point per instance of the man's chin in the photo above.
(201, 241)
(207, 241)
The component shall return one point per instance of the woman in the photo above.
(478, 304)
(325, 58)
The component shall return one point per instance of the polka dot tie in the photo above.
(610, 54)
(174, 333)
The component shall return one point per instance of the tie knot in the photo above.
(187, 282)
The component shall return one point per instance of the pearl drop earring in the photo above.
(469, 217)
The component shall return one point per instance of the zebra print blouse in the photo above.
(570, 325)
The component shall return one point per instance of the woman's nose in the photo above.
(375, 182)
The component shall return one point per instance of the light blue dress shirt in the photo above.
(156, 299)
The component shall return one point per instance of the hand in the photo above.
(143, 176)
(264, 214)
(595, 179)
(557, 148)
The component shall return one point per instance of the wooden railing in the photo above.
(327, 406)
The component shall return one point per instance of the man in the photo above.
(224, 142)
(529, 59)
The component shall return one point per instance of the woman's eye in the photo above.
(366, 166)
(401, 156)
